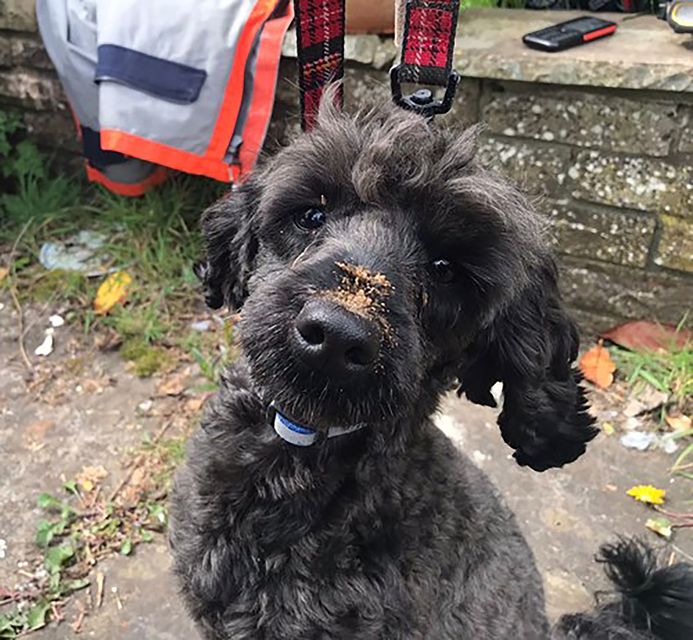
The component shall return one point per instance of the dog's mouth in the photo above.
(301, 434)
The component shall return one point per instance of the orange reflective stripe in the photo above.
(212, 163)
(159, 153)
(131, 190)
(233, 93)
(262, 102)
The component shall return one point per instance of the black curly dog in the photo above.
(376, 264)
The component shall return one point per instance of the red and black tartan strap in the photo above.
(428, 44)
(320, 43)
(428, 41)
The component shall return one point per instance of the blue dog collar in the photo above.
(302, 436)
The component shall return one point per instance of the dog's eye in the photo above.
(442, 270)
(310, 219)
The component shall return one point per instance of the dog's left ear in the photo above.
(530, 347)
(230, 238)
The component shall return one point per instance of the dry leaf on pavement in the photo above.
(112, 291)
(172, 385)
(597, 366)
(678, 423)
(641, 335)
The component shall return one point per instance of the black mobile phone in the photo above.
(569, 34)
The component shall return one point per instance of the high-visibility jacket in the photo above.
(180, 84)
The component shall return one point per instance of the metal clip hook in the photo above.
(422, 101)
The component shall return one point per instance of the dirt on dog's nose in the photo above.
(334, 341)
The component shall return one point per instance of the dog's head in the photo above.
(376, 262)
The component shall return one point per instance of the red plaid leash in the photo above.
(427, 49)
(429, 41)
(428, 45)
(320, 42)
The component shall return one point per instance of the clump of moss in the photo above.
(146, 359)
(58, 283)
(133, 348)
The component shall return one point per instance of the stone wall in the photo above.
(602, 140)
(612, 171)
(27, 78)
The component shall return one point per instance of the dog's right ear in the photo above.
(230, 238)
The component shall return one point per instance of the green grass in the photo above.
(154, 238)
(671, 372)
(668, 371)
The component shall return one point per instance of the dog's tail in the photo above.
(653, 602)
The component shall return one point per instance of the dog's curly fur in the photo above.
(387, 532)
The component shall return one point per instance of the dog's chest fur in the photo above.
(271, 544)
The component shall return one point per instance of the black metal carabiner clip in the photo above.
(422, 101)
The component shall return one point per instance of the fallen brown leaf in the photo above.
(194, 404)
(597, 366)
(678, 423)
(4, 271)
(172, 385)
(642, 335)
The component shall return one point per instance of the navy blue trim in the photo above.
(162, 78)
(98, 157)
(297, 428)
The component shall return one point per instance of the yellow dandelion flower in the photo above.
(647, 493)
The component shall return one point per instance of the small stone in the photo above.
(479, 458)
(632, 423)
(145, 407)
(201, 325)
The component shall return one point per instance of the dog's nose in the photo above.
(333, 340)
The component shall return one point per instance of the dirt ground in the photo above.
(49, 432)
